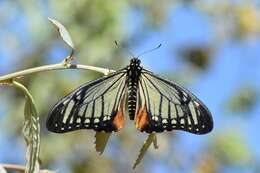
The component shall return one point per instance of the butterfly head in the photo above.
(135, 62)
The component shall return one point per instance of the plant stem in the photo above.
(14, 167)
(19, 168)
(59, 66)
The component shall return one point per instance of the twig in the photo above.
(59, 66)
(21, 168)
(13, 167)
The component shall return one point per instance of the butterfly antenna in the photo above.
(147, 51)
(125, 48)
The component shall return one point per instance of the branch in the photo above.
(21, 168)
(59, 66)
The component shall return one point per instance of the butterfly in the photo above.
(154, 103)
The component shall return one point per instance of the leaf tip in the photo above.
(101, 141)
(63, 32)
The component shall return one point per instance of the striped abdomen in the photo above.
(133, 73)
(132, 94)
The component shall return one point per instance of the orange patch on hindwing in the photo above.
(118, 121)
(141, 119)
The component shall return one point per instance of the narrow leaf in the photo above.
(63, 32)
(31, 131)
(155, 144)
(101, 141)
(151, 138)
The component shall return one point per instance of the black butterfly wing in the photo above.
(164, 105)
(97, 105)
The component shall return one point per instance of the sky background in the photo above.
(232, 72)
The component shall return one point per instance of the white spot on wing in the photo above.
(96, 120)
(174, 121)
(87, 120)
(164, 121)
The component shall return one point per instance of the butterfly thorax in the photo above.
(133, 73)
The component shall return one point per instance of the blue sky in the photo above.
(234, 63)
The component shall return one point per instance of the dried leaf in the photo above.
(151, 138)
(155, 144)
(31, 131)
(63, 32)
(101, 141)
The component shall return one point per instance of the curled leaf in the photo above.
(151, 138)
(101, 141)
(63, 32)
(31, 131)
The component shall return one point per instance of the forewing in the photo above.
(97, 105)
(164, 105)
